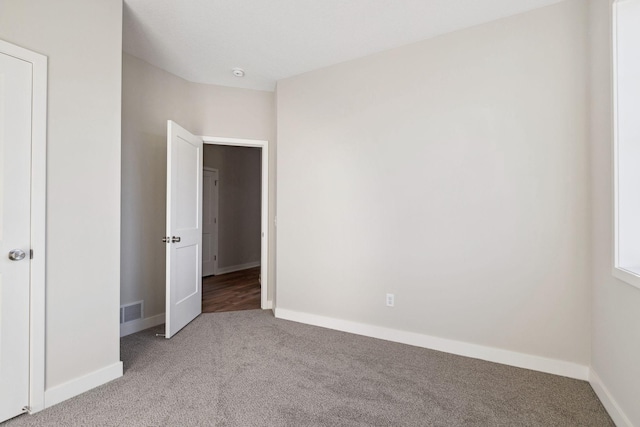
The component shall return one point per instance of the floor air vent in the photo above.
(133, 311)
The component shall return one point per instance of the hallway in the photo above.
(235, 291)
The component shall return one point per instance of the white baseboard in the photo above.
(268, 305)
(491, 354)
(138, 325)
(609, 403)
(232, 268)
(78, 386)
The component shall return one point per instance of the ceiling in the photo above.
(203, 40)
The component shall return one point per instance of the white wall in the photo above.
(83, 40)
(239, 204)
(452, 173)
(616, 305)
(150, 97)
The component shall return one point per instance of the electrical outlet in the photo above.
(390, 300)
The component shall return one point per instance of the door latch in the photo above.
(165, 239)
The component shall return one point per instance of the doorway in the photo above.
(183, 235)
(231, 232)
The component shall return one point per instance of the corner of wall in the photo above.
(82, 384)
(615, 411)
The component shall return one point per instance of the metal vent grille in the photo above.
(131, 312)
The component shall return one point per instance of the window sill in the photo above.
(627, 276)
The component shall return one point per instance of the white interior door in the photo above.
(209, 222)
(15, 191)
(184, 228)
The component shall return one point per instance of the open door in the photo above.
(184, 228)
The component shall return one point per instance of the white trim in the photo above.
(235, 142)
(264, 213)
(614, 139)
(138, 325)
(615, 412)
(80, 385)
(626, 276)
(232, 268)
(38, 220)
(491, 354)
(618, 272)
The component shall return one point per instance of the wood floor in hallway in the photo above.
(235, 291)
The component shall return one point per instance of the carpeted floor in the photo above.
(249, 369)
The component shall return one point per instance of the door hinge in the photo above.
(30, 253)
(215, 220)
(215, 257)
(216, 182)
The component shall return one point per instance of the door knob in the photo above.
(175, 239)
(16, 255)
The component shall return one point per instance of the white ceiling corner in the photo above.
(203, 40)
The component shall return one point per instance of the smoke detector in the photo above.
(238, 72)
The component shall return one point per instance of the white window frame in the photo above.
(619, 272)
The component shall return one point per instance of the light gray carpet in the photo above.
(249, 369)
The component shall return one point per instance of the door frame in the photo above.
(37, 221)
(264, 210)
(217, 197)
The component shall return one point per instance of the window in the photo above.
(626, 96)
